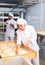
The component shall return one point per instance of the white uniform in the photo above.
(10, 31)
(29, 34)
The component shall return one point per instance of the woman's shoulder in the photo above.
(30, 26)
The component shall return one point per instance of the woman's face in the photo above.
(21, 27)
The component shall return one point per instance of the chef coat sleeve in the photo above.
(7, 22)
(33, 35)
(18, 38)
(15, 24)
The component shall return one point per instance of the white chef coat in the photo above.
(28, 34)
(9, 30)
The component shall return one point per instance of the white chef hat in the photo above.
(21, 21)
(10, 14)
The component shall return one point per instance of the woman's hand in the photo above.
(17, 49)
(27, 43)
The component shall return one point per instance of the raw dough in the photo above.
(8, 49)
